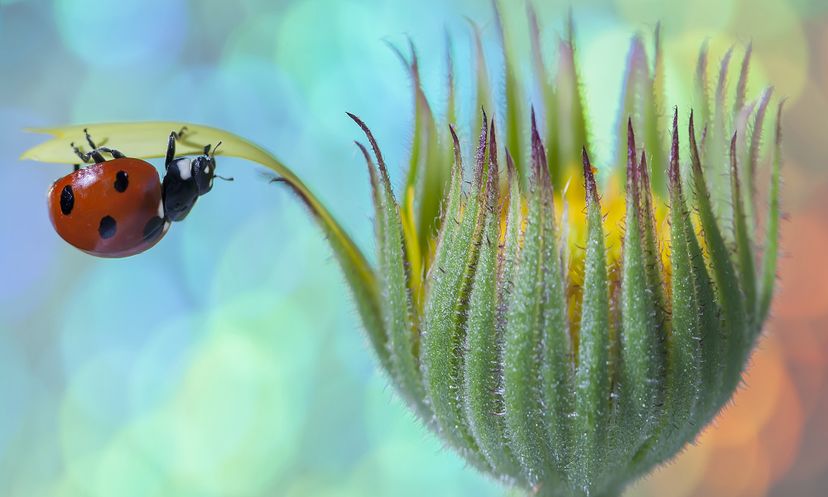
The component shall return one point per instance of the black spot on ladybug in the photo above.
(67, 200)
(121, 181)
(153, 228)
(107, 227)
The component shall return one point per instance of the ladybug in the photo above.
(120, 207)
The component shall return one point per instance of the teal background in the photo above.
(228, 360)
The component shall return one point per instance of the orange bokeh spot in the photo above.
(757, 439)
(753, 405)
(682, 477)
(782, 434)
(804, 344)
(737, 471)
(803, 269)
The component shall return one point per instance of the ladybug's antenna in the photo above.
(213, 153)
(222, 177)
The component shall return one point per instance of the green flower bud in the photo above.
(543, 357)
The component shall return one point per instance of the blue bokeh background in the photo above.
(228, 360)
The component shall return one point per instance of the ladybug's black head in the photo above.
(204, 169)
(186, 180)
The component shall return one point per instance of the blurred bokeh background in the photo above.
(228, 360)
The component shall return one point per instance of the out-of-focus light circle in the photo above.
(812, 460)
(93, 409)
(779, 43)
(822, 62)
(683, 477)
(709, 15)
(115, 96)
(244, 94)
(202, 243)
(15, 389)
(260, 100)
(323, 485)
(342, 63)
(63, 487)
(235, 415)
(806, 355)
(803, 289)
(781, 436)
(805, 122)
(734, 471)
(399, 437)
(386, 417)
(118, 34)
(215, 21)
(124, 471)
(271, 250)
(115, 306)
(414, 468)
(798, 182)
(254, 38)
(29, 256)
(752, 407)
(353, 350)
(680, 61)
(760, 473)
(163, 360)
(601, 83)
(300, 49)
(227, 397)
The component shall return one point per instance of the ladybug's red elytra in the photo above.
(119, 207)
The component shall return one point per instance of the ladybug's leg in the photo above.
(94, 154)
(170, 150)
(78, 153)
(75, 167)
(111, 151)
(89, 139)
(171, 145)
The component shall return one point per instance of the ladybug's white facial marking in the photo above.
(161, 209)
(185, 170)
